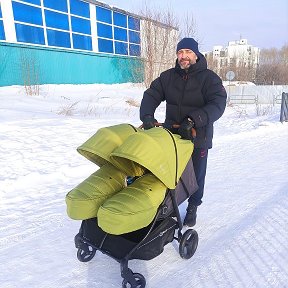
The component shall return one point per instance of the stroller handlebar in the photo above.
(158, 124)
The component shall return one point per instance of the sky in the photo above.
(264, 23)
(242, 223)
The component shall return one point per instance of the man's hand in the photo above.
(186, 129)
(149, 122)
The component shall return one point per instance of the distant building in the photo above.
(238, 54)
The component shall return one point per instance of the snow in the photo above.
(242, 223)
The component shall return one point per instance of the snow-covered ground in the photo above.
(242, 223)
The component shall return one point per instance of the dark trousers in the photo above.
(199, 158)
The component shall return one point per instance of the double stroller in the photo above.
(129, 206)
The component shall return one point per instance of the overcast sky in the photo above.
(264, 23)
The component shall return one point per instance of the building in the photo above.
(68, 41)
(238, 55)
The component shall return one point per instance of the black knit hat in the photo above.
(188, 43)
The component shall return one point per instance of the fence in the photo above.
(267, 94)
(277, 99)
(243, 99)
(284, 108)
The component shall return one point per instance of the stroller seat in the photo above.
(132, 208)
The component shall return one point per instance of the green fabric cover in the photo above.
(84, 200)
(98, 147)
(164, 154)
(132, 208)
(122, 150)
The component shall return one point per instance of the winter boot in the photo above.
(190, 218)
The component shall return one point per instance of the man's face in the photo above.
(186, 58)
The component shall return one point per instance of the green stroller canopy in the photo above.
(158, 150)
(99, 147)
(134, 151)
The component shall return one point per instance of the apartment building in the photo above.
(238, 54)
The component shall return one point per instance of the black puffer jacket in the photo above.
(197, 93)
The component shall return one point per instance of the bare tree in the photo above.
(188, 26)
(159, 35)
(273, 67)
(160, 30)
(30, 71)
(245, 69)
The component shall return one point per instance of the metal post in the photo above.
(284, 108)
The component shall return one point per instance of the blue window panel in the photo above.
(104, 30)
(119, 19)
(29, 34)
(82, 42)
(36, 2)
(0, 11)
(103, 15)
(121, 48)
(134, 50)
(134, 37)
(59, 39)
(56, 20)
(105, 46)
(133, 23)
(2, 32)
(60, 5)
(120, 34)
(80, 25)
(80, 8)
(27, 14)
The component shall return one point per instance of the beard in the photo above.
(185, 63)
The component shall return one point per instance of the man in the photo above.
(195, 98)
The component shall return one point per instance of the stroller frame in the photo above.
(188, 241)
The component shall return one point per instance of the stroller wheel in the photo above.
(85, 253)
(188, 244)
(140, 281)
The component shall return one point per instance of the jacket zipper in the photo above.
(185, 78)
